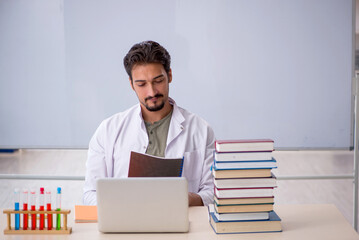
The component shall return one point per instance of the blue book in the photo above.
(273, 224)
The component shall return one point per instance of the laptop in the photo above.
(142, 205)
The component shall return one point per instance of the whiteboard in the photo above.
(276, 69)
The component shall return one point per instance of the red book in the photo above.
(244, 145)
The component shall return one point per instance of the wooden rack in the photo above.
(64, 229)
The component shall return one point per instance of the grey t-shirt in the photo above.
(157, 136)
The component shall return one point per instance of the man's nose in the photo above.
(152, 90)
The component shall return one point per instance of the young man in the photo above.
(155, 126)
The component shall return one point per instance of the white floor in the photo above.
(290, 163)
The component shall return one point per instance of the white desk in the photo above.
(323, 222)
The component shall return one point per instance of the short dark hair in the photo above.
(146, 52)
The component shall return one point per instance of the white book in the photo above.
(243, 192)
(249, 145)
(245, 165)
(241, 216)
(245, 182)
(242, 156)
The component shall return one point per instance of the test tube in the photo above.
(41, 208)
(17, 208)
(24, 207)
(48, 208)
(33, 208)
(58, 208)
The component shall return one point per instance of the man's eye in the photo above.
(140, 84)
(159, 81)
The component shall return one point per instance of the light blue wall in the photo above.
(276, 69)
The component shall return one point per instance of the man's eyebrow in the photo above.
(139, 80)
(161, 75)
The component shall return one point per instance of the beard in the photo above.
(156, 107)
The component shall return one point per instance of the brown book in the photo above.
(243, 208)
(144, 165)
(236, 201)
(242, 173)
(85, 214)
(245, 182)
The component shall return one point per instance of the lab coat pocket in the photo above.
(192, 170)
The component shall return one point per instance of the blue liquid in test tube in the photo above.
(17, 208)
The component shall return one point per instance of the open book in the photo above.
(144, 165)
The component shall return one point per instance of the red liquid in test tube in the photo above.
(41, 208)
(33, 208)
(48, 208)
(24, 207)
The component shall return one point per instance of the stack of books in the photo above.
(244, 183)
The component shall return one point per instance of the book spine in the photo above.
(245, 141)
(225, 198)
(254, 151)
(226, 189)
(180, 173)
(243, 162)
(241, 168)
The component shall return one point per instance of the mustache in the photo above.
(156, 96)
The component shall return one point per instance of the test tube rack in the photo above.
(64, 229)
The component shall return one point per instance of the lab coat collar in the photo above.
(141, 121)
(176, 126)
(176, 115)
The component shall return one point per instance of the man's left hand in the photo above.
(194, 199)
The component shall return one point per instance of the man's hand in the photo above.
(194, 199)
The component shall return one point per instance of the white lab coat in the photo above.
(189, 136)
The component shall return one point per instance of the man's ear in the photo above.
(169, 75)
(131, 83)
